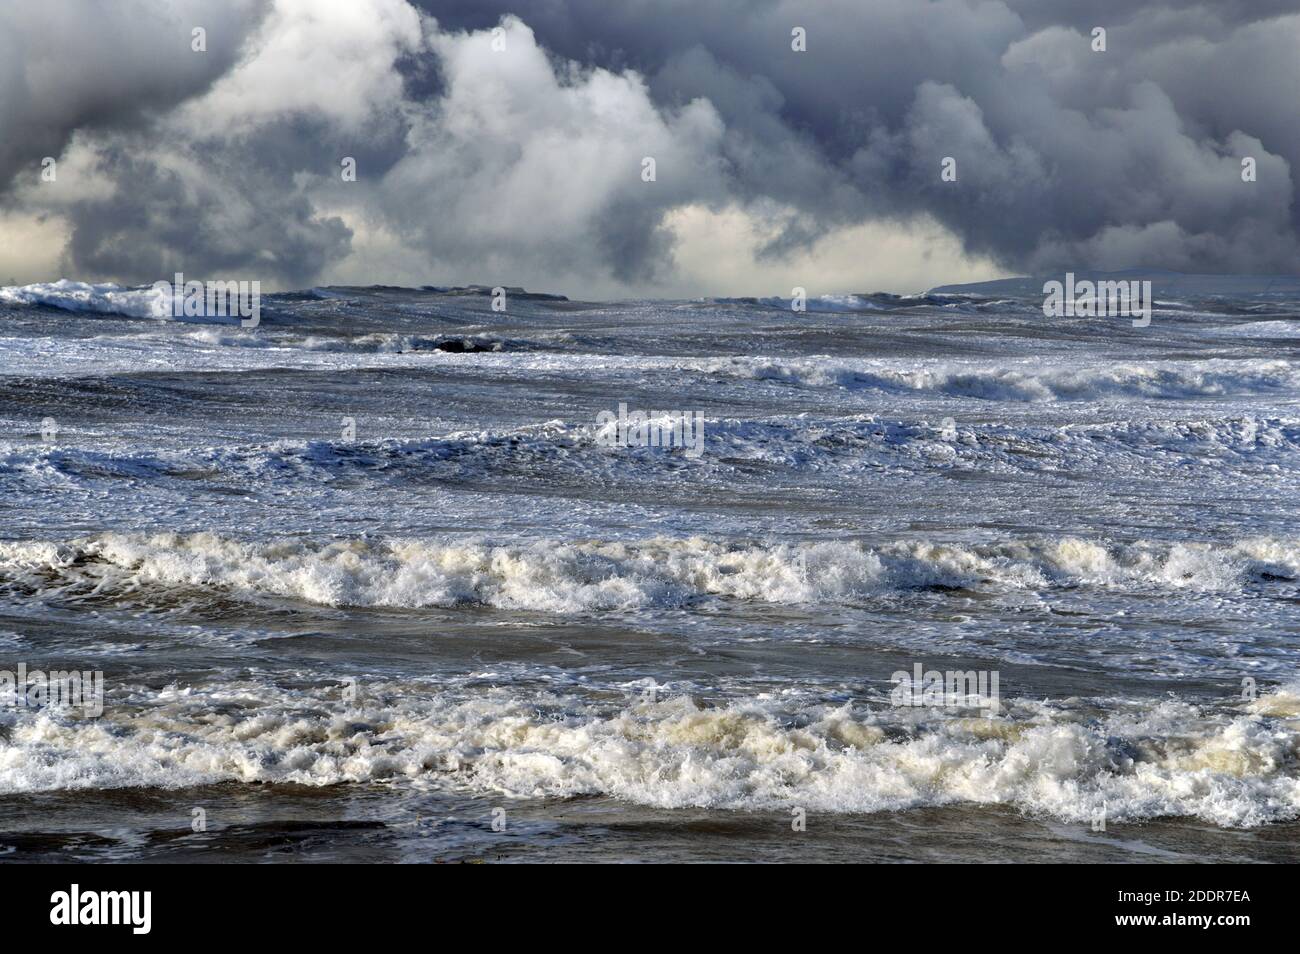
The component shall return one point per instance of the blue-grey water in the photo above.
(366, 581)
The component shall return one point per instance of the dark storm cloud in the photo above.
(211, 191)
(83, 64)
(1063, 153)
(1065, 156)
(1173, 15)
(220, 227)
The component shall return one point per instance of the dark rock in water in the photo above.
(463, 346)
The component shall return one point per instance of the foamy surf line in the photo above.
(558, 576)
(1233, 765)
(103, 298)
(1018, 382)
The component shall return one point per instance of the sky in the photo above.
(506, 143)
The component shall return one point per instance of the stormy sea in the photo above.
(378, 579)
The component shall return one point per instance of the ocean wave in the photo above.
(880, 302)
(564, 577)
(553, 355)
(823, 304)
(148, 302)
(1233, 765)
(105, 298)
(1021, 382)
(800, 445)
(1275, 328)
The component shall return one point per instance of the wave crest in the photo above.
(1230, 765)
(572, 577)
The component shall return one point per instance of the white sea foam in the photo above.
(570, 577)
(1277, 328)
(824, 303)
(1232, 765)
(105, 298)
(1020, 382)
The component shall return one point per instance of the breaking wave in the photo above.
(554, 576)
(1183, 380)
(1234, 765)
(105, 298)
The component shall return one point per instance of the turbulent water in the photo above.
(368, 582)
